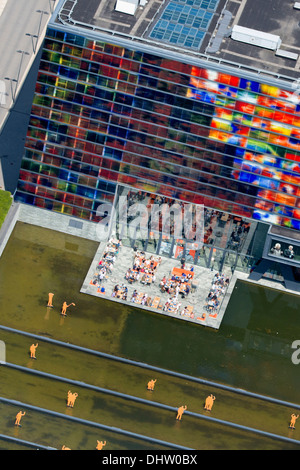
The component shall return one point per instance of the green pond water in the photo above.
(252, 349)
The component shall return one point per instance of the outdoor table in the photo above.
(179, 272)
(190, 309)
(155, 302)
(148, 278)
(184, 286)
(139, 298)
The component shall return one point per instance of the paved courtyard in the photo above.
(123, 259)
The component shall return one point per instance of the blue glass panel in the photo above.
(191, 15)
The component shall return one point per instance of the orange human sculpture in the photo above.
(151, 384)
(71, 399)
(65, 448)
(100, 445)
(32, 350)
(180, 412)
(209, 402)
(18, 418)
(74, 396)
(50, 298)
(293, 420)
(64, 308)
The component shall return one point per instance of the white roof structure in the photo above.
(127, 6)
(255, 38)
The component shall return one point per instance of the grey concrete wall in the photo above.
(59, 222)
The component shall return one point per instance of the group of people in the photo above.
(143, 269)
(175, 286)
(120, 292)
(158, 218)
(218, 288)
(140, 298)
(106, 264)
(172, 305)
(287, 253)
(215, 221)
(132, 276)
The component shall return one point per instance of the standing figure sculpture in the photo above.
(50, 298)
(64, 308)
(100, 445)
(293, 420)
(32, 350)
(180, 412)
(18, 418)
(209, 402)
(71, 398)
(151, 384)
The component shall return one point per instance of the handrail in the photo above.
(139, 400)
(143, 365)
(93, 423)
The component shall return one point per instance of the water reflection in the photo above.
(47, 315)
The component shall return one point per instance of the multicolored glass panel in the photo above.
(104, 115)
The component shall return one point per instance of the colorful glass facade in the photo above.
(105, 115)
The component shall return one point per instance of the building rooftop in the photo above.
(198, 28)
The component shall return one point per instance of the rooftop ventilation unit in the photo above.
(127, 6)
(255, 38)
